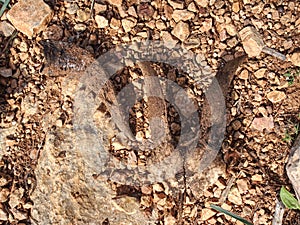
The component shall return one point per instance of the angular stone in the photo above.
(206, 25)
(207, 214)
(235, 7)
(169, 220)
(181, 31)
(145, 11)
(117, 146)
(260, 73)
(242, 185)
(99, 8)
(131, 11)
(160, 25)
(82, 15)
(244, 74)
(146, 189)
(101, 21)
(234, 196)
(231, 30)
(176, 4)
(257, 178)
(236, 124)
(30, 16)
(6, 28)
(128, 23)
(202, 3)
(3, 214)
(117, 3)
(19, 215)
(4, 194)
(295, 58)
(168, 11)
(252, 41)
(262, 123)
(168, 39)
(23, 47)
(192, 42)
(72, 9)
(192, 7)
(115, 23)
(15, 197)
(207, 173)
(80, 27)
(157, 188)
(183, 15)
(276, 96)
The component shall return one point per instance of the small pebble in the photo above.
(5, 72)
(276, 96)
(101, 21)
(260, 73)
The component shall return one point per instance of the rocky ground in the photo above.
(46, 47)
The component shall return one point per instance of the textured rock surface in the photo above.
(67, 193)
(252, 41)
(295, 58)
(30, 16)
(276, 96)
(101, 21)
(262, 123)
(181, 31)
(6, 28)
(293, 167)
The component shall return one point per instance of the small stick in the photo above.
(274, 53)
(278, 214)
(92, 8)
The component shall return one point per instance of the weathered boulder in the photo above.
(67, 191)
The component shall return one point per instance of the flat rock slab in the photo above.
(30, 16)
(293, 167)
(67, 192)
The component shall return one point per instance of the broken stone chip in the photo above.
(176, 4)
(252, 42)
(260, 73)
(128, 24)
(6, 28)
(117, 3)
(295, 58)
(234, 196)
(30, 16)
(262, 123)
(101, 21)
(202, 3)
(182, 15)
(181, 31)
(207, 214)
(276, 96)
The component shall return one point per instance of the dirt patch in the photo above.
(262, 101)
